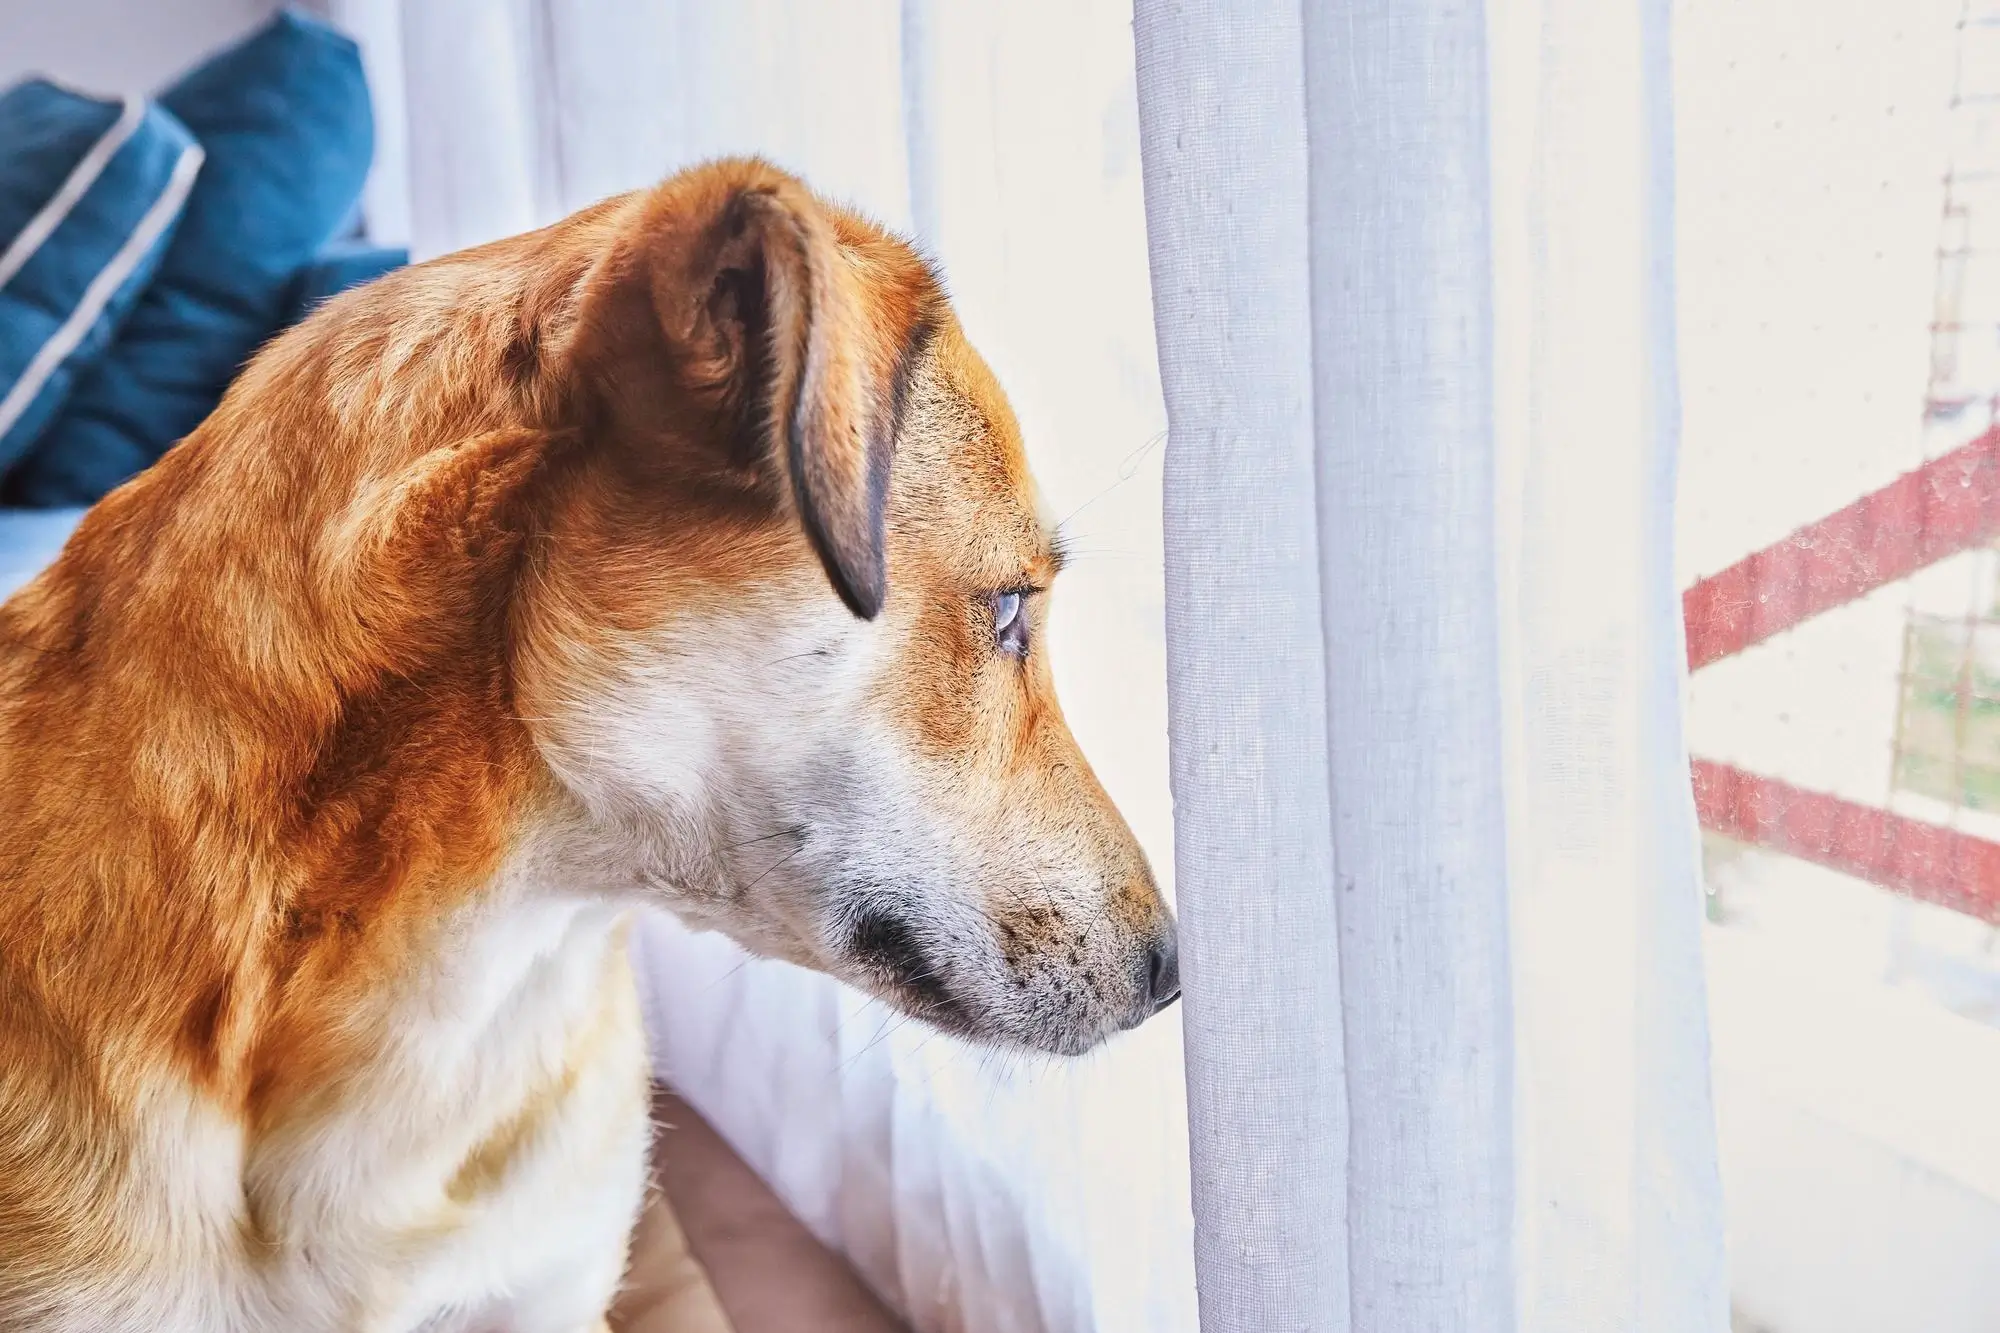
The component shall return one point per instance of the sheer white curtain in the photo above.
(1447, 1054)
(1430, 825)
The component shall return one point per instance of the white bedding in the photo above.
(30, 539)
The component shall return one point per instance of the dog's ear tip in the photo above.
(860, 580)
(865, 603)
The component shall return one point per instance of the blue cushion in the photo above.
(90, 192)
(333, 270)
(285, 121)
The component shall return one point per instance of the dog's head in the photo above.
(785, 642)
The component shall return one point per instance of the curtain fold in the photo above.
(1401, 281)
(1222, 128)
(1446, 1042)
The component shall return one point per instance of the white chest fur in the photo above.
(482, 1173)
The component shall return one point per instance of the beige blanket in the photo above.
(716, 1251)
(666, 1288)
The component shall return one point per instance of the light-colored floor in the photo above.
(764, 1270)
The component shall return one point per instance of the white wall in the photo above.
(117, 46)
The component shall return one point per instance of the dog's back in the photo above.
(255, 752)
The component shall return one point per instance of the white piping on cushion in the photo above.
(81, 177)
(108, 280)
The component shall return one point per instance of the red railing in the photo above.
(1925, 861)
(1949, 505)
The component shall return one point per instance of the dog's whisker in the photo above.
(888, 1019)
(795, 657)
(1128, 468)
(880, 1037)
(769, 870)
(742, 963)
(790, 830)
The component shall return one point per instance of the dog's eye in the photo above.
(1010, 627)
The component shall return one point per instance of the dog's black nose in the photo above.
(1165, 975)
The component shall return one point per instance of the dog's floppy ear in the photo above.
(768, 332)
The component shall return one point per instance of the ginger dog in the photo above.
(680, 553)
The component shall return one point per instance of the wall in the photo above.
(117, 46)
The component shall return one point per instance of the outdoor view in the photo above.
(1840, 502)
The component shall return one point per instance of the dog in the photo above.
(680, 553)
